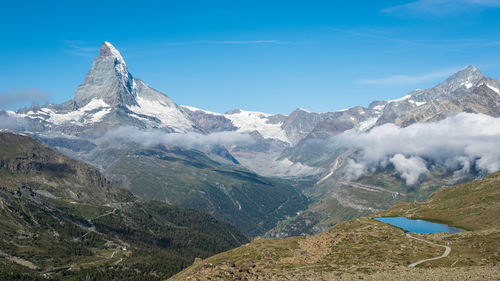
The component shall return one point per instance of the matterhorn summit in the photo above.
(111, 97)
(108, 80)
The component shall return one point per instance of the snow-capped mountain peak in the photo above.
(109, 50)
(466, 77)
(108, 79)
(111, 96)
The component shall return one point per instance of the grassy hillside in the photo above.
(367, 249)
(97, 229)
(337, 199)
(474, 205)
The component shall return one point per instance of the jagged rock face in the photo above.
(481, 100)
(210, 123)
(453, 87)
(466, 91)
(300, 123)
(108, 80)
(67, 178)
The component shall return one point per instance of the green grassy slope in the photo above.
(474, 205)
(96, 229)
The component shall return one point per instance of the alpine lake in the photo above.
(419, 226)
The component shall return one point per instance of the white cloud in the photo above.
(354, 169)
(8, 122)
(458, 143)
(247, 42)
(236, 42)
(408, 79)
(187, 140)
(410, 168)
(80, 48)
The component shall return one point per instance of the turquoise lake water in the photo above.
(419, 226)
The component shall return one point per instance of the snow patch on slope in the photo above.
(249, 121)
(169, 115)
(417, 103)
(367, 124)
(194, 109)
(379, 107)
(76, 116)
(400, 99)
(496, 90)
(93, 112)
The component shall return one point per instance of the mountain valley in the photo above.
(121, 182)
(62, 220)
(308, 178)
(370, 250)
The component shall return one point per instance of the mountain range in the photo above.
(268, 174)
(121, 182)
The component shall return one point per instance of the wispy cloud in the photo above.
(80, 48)
(429, 44)
(237, 42)
(493, 43)
(452, 45)
(19, 97)
(255, 42)
(153, 137)
(401, 79)
(440, 7)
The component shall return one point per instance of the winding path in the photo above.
(445, 254)
(106, 214)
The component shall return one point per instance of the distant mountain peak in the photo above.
(453, 87)
(107, 80)
(467, 77)
(109, 50)
(470, 70)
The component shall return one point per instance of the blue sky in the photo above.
(271, 56)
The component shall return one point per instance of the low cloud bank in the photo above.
(457, 143)
(8, 122)
(20, 97)
(186, 140)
